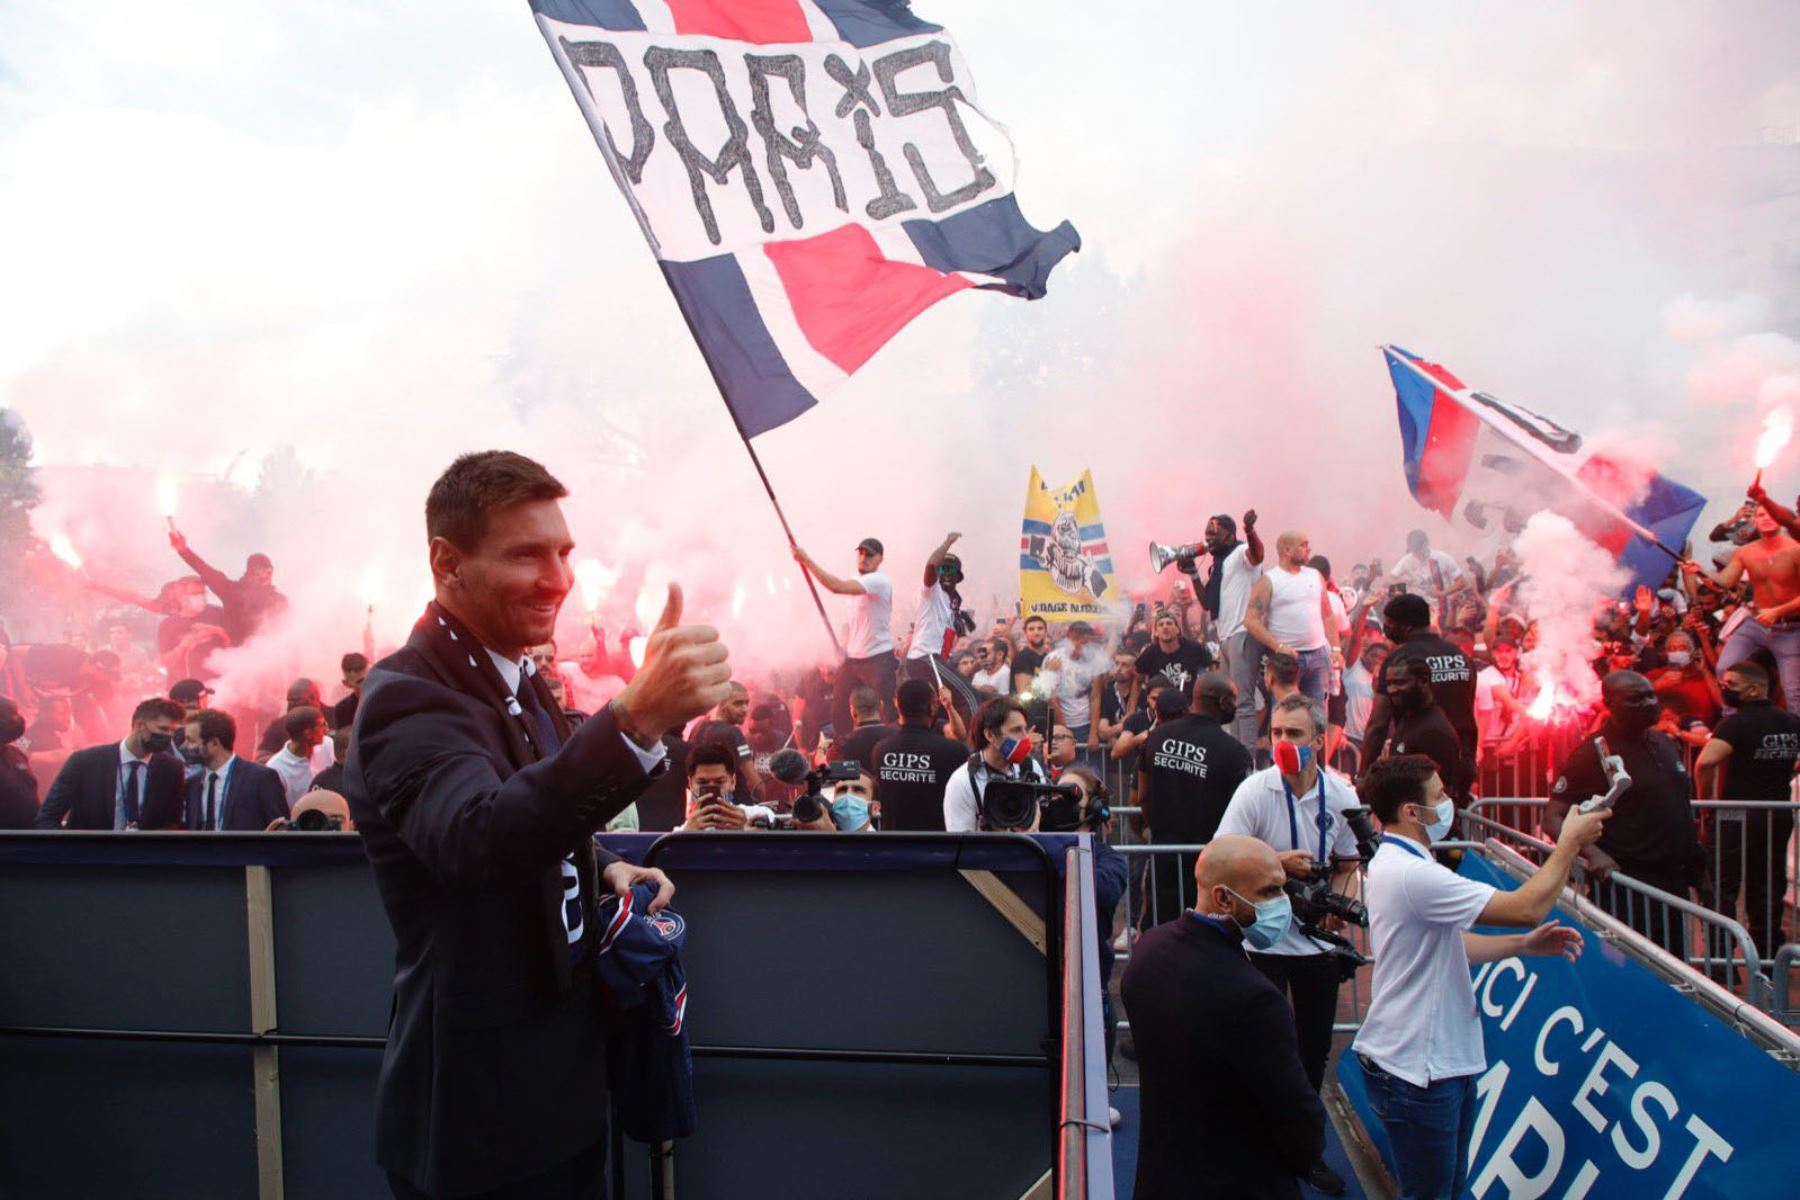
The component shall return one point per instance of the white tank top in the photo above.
(1294, 615)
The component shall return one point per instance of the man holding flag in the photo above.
(869, 649)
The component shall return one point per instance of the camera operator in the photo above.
(1297, 807)
(1420, 1043)
(1002, 736)
(319, 811)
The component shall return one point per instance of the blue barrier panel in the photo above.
(1603, 1080)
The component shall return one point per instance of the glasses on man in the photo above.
(1062, 737)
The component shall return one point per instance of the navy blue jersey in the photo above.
(651, 1068)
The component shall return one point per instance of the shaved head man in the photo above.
(1228, 1110)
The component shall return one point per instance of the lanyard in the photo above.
(1406, 846)
(1293, 820)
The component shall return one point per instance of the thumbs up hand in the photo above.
(684, 674)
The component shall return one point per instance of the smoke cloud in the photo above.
(304, 277)
(1563, 574)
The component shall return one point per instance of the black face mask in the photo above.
(192, 756)
(157, 743)
(1636, 718)
(11, 731)
(1732, 697)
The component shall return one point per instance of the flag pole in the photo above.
(805, 574)
(1612, 509)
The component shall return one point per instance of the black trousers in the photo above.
(580, 1178)
(880, 672)
(1749, 862)
(1310, 981)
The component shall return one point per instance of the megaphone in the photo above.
(1161, 556)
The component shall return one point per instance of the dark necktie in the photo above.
(541, 723)
(212, 800)
(131, 792)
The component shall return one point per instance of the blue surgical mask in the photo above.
(1443, 815)
(1273, 916)
(849, 812)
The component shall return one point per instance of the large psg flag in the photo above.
(811, 174)
(1489, 465)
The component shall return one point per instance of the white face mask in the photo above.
(1443, 815)
(1679, 658)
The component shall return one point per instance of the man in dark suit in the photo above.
(1228, 1111)
(18, 787)
(477, 807)
(133, 784)
(229, 793)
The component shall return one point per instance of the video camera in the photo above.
(1011, 804)
(313, 820)
(789, 766)
(1315, 901)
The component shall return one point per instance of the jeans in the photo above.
(1243, 662)
(1315, 671)
(1428, 1131)
(1782, 640)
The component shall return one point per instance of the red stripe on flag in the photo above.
(758, 21)
(1449, 444)
(1619, 483)
(847, 298)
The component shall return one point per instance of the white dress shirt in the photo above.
(1422, 1024)
(512, 670)
(126, 758)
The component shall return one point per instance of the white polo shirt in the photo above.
(1260, 809)
(1422, 1024)
(932, 625)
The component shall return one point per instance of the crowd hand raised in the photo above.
(1249, 518)
(685, 673)
(178, 540)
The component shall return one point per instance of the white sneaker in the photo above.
(1122, 943)
(1114, 1116)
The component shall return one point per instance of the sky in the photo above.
(300, 256)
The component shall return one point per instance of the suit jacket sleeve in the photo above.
(419, 758)
(1267, 1058)
(63, 790)
(272, 801)
(165, 795)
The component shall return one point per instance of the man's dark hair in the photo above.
(1034, 618)
(865, 701)
(215, 724)
(712, 751)
(1284, 668)
(1169, 703)
(1393, 782)
(1214, 696)
(157, 706)
(259, 562)
(991, 716)
(476, 486)
(1408, 611)
(1321, 564)
(1227, 522)
(1752, 671)
(353, 662)
(300, 720)
(914, 699)
(301, 690)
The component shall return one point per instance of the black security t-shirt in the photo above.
(1764, 742)
(912, 766)
(860, 745)
(1180, 666)
(1651, 830)
(1190, 766)
(1027, 662)
(1429, 733)
(1452, 681)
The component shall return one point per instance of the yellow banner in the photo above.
(1065, 569)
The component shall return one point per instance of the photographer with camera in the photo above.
(319, 811)
(1003, 741)
(848, 807)
(1420, 1044)
(1298, 808)
(712, 782)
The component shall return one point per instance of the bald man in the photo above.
(1290, 613)
(1228, 1111)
